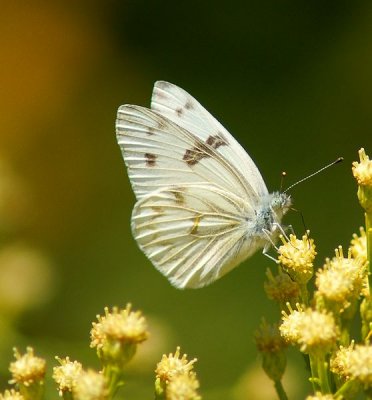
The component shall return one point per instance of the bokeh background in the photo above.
(291, 80)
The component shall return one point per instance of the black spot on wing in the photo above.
(189, 105)
(161, 124)
(178, 194)
(179, 111)
(216, 141)
(195, 154)
(202, 150)
(150, 159)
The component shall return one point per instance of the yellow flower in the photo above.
(360, 364)
(117, 334)
(173, 365)
(11, 395)
(358, 245)
(27, 369)
(362, 170)
(340, 361)
(310, 329)
(119, 325)
(66, 374)
(90, 385)
(354, 362)
(296, 257)
(341, 279)
(291, 325)
(363, 174)
(183, 387)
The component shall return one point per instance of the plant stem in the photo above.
(304, 294)
(314, 373)
(323, 375)
(114, 378)
(348, 389)
(280, 390)
(368, 219)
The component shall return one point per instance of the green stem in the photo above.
(280, 390)
(314, 374)
(368, 219)
(304, 294)
(159, 389)
(34, 391)
(366, 305)
(348, 389)
(67, 396)
(323, 375)
(114, 379)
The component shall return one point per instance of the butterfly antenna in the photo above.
(340, 159)
(284, 174)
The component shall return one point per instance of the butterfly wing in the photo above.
(180, 107)
(160, 153)
(196, 188)
(193, 234)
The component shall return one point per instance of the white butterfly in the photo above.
(202, 205)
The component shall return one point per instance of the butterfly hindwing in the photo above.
(193, 234)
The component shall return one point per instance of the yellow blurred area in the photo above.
(46, 51)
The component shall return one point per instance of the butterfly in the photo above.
(202, 205)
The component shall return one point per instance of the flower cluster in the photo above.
(340, 281)
(313, 331)
(318, 323)
(115, 336)
(28, 372)
(66, 374)
(11, 395)
(362, 170)
(175, 378)
(296, 257)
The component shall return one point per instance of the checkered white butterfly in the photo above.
(202, 205)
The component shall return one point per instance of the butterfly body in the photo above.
(202, 205)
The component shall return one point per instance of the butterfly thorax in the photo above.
(269, 214)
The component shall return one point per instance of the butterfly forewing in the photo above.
(160, 153)
(180, 107)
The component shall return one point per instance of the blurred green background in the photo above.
(291, 80)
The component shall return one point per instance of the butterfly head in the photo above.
(280, 204)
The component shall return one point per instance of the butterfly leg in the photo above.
(268, 235)
(265, 253)
(278, 227)
(268, 245)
